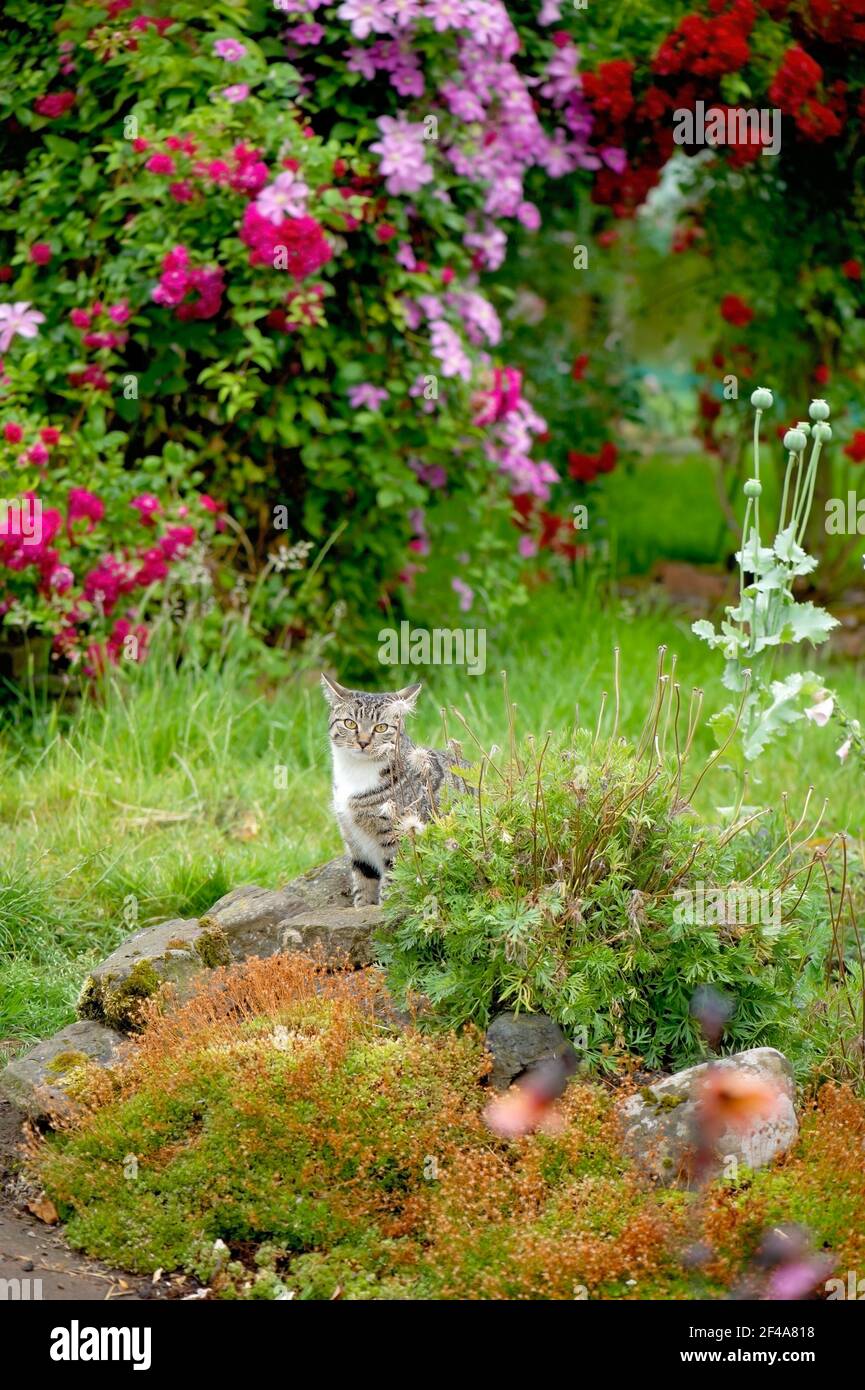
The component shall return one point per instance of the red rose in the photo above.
(40, 253)
(736, 311)
(855, 450)
(55, 105)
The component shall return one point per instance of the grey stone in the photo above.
(253, 918)
(521, 1041)
(173, 952)
(35, 1081)
(661, 1125)
(340, 934)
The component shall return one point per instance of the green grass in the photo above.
(157, 799)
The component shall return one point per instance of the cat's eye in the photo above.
(381, 728)
(349, 723)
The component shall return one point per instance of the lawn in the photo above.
(177, 784)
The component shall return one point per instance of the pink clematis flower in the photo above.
(18, 320)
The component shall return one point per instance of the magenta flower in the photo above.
(305, 34)
(61, 579)
(365, 396)
(237, 92)
(466, 594)
(160, 164)
(147, 507)
(230, 50)
(84, 505)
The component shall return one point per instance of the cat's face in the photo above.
(366, 724)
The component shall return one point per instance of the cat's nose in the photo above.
(364, 742)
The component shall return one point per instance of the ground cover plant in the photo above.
(277, 1138)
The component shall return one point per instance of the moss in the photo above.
(64, 1061)
(178, 944)
(120, 1002)
(651, 1097)
(90, 1000)
(212, 947)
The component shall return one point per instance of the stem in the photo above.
(794, 458)
(808, 491)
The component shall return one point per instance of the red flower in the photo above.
(822, 375)
(708, 47)
(608, 90)
(384, 232)
(83, 504)
(793, 89)
(736, 311)
(13, 433)
(54, 105)
(710, 409)
(852, 269)
(296, 244)
(50, 435)
(40, 253)
(855, 450)
(578, 370)
(583, 467)
(607, 458)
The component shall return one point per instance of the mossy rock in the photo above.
(174, 952)
(39, 1081)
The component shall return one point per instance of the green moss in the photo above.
(212, 947)
(120, 1002)
(64, 1061)
(90, 1000)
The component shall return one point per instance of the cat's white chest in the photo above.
(351, 776)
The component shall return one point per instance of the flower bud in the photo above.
(804, 426)
(819, 410)
(762, 399)
(795, 441)
(753, 488)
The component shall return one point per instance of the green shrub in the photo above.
(561, 890)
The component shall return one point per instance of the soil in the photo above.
(31, 1249)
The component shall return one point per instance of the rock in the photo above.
(343, 933)
(520, 1041)
(35, 1081)
(252, 918)
(175, 952)
(661, 1124)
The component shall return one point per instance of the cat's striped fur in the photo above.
(383, 785)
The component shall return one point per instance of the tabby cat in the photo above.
(383, 785)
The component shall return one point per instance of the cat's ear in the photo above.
(333, 691)
(406, 699)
